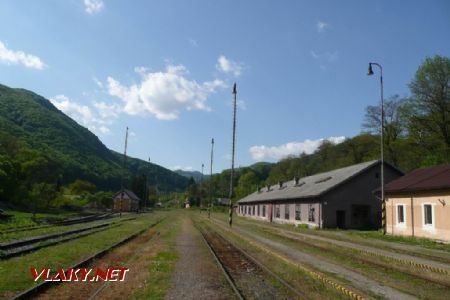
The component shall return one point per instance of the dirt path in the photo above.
(197, 276)
(358, 280)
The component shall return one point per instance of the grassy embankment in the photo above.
(15, 272)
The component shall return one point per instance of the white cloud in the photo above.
(187, 168)
(322, 26)
(96, 121)
(9, 56)
(325, 56)
(193, 42)
(93, 6)
(259, 153)
(228, 66)
(164, 94)
(97, 82)
(108, 110)
(314, 54)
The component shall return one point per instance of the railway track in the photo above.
(105, 284)
(40, 288)
(366, 256)
(441, 280)
(68, 222)
(247, 276)
(312, 273)
(27, 245)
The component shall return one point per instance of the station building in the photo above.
(126, 200)
(340, 198)
(418, 204)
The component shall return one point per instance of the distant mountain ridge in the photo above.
(36, 121)
(196, 175)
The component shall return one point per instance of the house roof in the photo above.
(311, 186)
(130, 194)
(433, 178)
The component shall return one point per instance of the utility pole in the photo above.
(124, 172)
(230, 218)
(147, 184)
(210, 178)
(201, 187)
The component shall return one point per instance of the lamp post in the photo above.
(383, 202)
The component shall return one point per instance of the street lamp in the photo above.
(383, 203)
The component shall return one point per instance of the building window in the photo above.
(254, 210)
(277, 211)
(298, 212)
(311, 213)
(400, 215)
(263, 210)
(428, 215)
(258, 210)
(286, 211)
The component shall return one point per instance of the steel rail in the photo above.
(43, 286)
(221, 266)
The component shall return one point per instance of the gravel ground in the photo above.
(197, 275)
(366, 248)
(358, 280)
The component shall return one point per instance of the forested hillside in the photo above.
(41, 145)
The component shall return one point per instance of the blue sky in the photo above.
(166, 69)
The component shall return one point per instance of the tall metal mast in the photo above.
(124, 172)
(232, 157)
(210, 178)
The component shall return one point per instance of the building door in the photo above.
(360, 216)
(340, 218)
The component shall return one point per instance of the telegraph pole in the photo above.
(210, 178)
(230, 218)
(201, 188)
(124, 172)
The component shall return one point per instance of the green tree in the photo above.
(430, 122)
(395, 124)
(79, 187)
(247, 184)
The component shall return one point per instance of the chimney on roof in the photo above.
(258, 189)
(296, 180)
(280, 183)
(268, 188)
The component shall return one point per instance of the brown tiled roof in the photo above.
(433, 178)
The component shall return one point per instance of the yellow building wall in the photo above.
(440, 202)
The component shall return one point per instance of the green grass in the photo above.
(15, 272)
(161, 269)
(378, 235)
(369, 238)
(162, 266)
(25, 219)
(54, 229)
